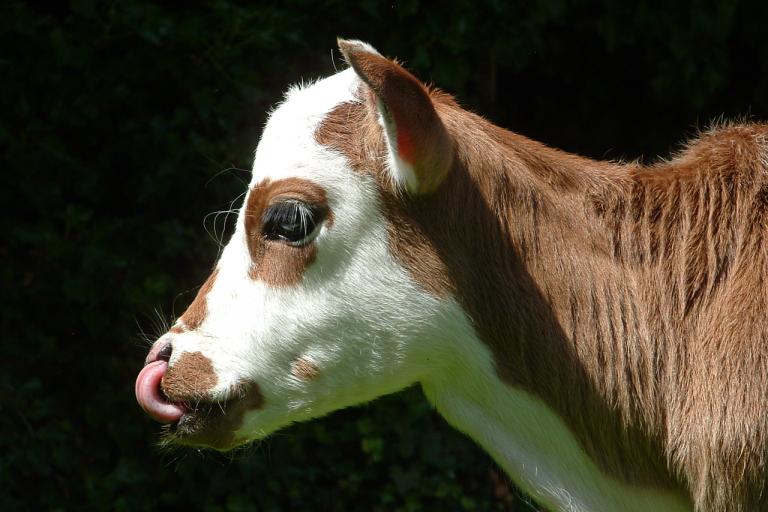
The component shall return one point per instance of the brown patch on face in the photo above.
(272, 261)
(215, 424)
(176, 329)
(191, 377)
(195, 314)
(304, 369)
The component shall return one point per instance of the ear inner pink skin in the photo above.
(405, 145)
(149, 396)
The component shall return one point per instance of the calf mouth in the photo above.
(207, 424)
(196, 420)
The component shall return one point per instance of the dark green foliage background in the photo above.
(116, 120)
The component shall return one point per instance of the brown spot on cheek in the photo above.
(190, 378)
(272, 261)
(304, 369)
(195, 314)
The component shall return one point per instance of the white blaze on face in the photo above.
(355, 324)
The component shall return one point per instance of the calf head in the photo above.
(307, 310)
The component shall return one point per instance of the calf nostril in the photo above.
(161, 351)
(165, 353)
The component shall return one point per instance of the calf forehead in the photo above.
(288, 147)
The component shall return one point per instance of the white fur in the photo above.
(530, 441)
(362, 45)
(371, 330)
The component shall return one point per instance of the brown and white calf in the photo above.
(599, 328)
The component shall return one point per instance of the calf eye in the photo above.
(293, 222)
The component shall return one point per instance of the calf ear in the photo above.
(420, 149)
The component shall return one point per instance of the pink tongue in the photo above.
(149, 397)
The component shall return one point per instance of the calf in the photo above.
(599, 328)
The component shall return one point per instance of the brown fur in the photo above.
(195, 313)
(275, 262)
(304, 369)
(190, 378)
(630, 299)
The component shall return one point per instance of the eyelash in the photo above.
(292, 222)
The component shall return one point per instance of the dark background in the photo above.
(122, 124)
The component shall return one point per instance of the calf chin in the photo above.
(217, 424)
